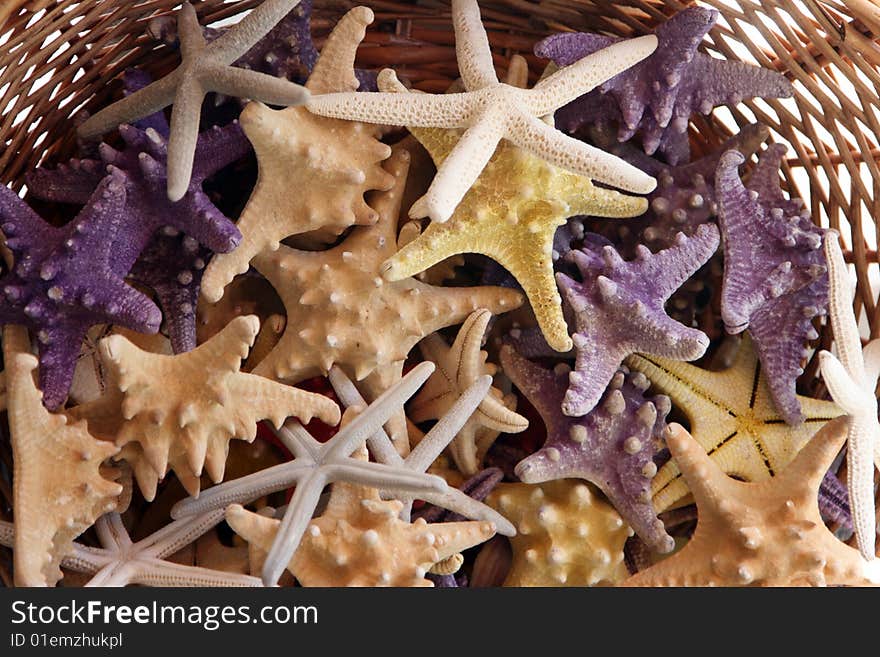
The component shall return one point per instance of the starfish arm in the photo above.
(297, 440)
(670, 268)
(671, 339)
(377, 475)
(593, 370)
(86, 559)
(461, 503)
(178, 534)
(73, 183)
(116, 302)
(22, 227)
(846, 393)
(57, 363)
(467, 346)
(543, 388)
(493, 414)
(189, 32)
(217, 148)
(472, 46)
(146, 101)
(704, 478)
(276, 401)
(114, 574)
(461, 168)
(459, 302)
(184, 136)
(235, 42)
(808, 468)
(571, 82)
(242, 83)
(840, 310)
(861, 440)
(334, 70)
(871, 359)
(533, 135)
(290, 532)
(438, 242)
(168, 574)
(417, 110)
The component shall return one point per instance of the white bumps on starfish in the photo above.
(491, 110)
(851, 378)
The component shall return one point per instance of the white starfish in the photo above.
(120, 561)
(851, 378)
(317, 464)
(491, 110)
(204, 67)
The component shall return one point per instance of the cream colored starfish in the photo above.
(458, 367)
(60, 482)
(851, 378)
(204, 67)
(731, 414)
(180, 412)
(491, 111)
(329, 164)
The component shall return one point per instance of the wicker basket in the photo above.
(59, 56)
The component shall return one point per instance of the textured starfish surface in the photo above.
(180, 412)
(510, 214)
(618, 309)
(64, 280)
(491, 111)
(732, 416)
(775, 280)
(851, 377)
(657, 96)
(204, 67)
(331, 163)
(458, 367)
(340, 309)
(566, 535)
(613, 446)
(60, 485)
(759, 534)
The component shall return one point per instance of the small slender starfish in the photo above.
(204, 68)
(492, 110)
(851, 378)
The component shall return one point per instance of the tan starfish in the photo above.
(313, 171)
(760, 534)
(491, 110)
(731, 414)
(458, 367)
(60, 481)
(566, 534)
(180, 412)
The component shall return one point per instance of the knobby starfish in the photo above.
(65, 281)
(458, 367)
(619, 311)
(613, 446)
(204, 67)
(775, 279)
(732, 416)
(851, 378)
(657, 96)
(60, 482)
(491, 111)
(180, 412)
(511, 214)
(331, 163)
(566, 535)
(759, 534)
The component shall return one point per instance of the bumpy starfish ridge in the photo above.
(64, 280)
(657, 96)
(775, 279)
(851, 377)
(619, 311)
(204, 67)
(491, 111)
(331, 164)
(759, 534)
(613, 446)
(732, 416)
(180, 412)
(458, 367)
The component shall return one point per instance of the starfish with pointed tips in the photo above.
(612, 447)
(180, 412)
(491, 111)
(204, 67)
(758, 534)
(458, 367)
(331, 164)
(851, 377)
(619, 310)
(732, 416)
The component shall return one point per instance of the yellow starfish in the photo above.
(510, 215)
(758, 534)
(566, 535)
(732, 416)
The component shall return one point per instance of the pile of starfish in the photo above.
(246, 326)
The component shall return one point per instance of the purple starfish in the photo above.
(476, 487)
(64, 280)
(618, 310)
(775, 279)
(657, 96)
(613, 446)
